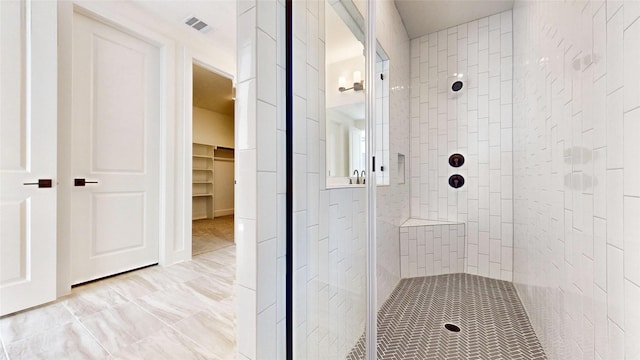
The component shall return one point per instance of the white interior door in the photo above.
(28, 113)
(114, 147)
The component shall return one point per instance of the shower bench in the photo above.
(431, 247)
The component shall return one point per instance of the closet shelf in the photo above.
(206, 160)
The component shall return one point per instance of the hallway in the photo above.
(186, 311)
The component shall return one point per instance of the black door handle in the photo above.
(82, 182)
(42, 183)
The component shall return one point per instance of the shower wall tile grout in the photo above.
(477, 123)
(576, 136)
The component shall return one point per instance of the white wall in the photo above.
(329, 292)
(476, 123)
(260, 173)
(223, 187)
(212, 128)
(577, 193)
(178, 47)
(392, 209)
(329, 261)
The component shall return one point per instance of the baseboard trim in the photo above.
(223, 212)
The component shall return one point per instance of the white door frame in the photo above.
(190, 57)
(169, 251)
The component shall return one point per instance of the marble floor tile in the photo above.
(212, 288)
(69, 341)
(166, 344)
(127, 316)
(33, 321)
(131, 285)
(166, 277)
(173, 304)
(122, 325)
(202, 266)
(212, 234)
(214, 332)
(89, 299)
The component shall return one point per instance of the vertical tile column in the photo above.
(260, 179)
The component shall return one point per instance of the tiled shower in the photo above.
(549, 125)
(477, 122)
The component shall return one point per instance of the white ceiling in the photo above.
(422, 17)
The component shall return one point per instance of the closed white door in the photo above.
(114, 147)
(28, 115)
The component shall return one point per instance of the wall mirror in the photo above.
(345, 107)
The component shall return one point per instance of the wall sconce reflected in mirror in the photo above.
(358, 83)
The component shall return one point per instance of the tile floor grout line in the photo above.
(4, 348)
(218, 264)
(92, 335)
(492, 317)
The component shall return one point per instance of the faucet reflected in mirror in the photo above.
(355, 172)
(360, 179)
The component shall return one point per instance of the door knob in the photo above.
(42, 183)
(82, 182)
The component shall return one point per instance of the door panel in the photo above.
(125, 209)
(115, 143)
(118, 115)
(28, 98)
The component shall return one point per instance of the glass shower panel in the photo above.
(329, 286)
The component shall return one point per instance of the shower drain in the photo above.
(452, 328)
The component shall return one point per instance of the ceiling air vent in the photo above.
(197, 24)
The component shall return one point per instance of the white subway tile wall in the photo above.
(329, 232)
(432, 250)
(329, 239)
(260, 188)
(392, 201)
(477, 123)
(577, 205)
(329, 225)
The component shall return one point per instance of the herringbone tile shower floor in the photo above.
(492, 319)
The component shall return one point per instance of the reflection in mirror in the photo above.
(345, 139)
(345, 109)
(344, 101)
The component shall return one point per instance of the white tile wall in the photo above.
(576, 101)
(432, 250)
(392, 200)
(477, 123)
(329, 288)
(329, 291)
(260, 180)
